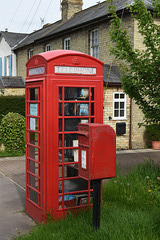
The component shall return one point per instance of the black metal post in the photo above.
(96, 203)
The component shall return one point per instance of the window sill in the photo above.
(119, 119)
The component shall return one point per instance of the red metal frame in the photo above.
(34, 158)
(60, 187)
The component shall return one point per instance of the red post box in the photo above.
(63, 88)
(97, 151)
(97, 159)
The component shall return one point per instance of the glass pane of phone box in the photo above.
(71, 124)
(76, 199)
(76, 109)
(73, 200)
(72, 94)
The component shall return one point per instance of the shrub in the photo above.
(13, 132)
(153, 131)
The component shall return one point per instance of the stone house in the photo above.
(8, 40)
(10, 84)
(87, 31)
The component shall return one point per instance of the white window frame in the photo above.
(67, 43)
(94, 43)
(119, 108)
(30, 53)
(47, 48)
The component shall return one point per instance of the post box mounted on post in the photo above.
(97, 159)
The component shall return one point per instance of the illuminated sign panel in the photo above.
(75, 70)
(35, 71)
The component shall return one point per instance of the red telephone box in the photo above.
(63, 88)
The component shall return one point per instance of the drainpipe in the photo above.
(130, 127)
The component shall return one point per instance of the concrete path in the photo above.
(13, 220)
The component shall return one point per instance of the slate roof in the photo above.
(82, 18)
(90, 15)
(111, 74)
(12, 82)
(31, 38)
(12, 38)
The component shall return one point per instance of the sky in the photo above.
(26, 16)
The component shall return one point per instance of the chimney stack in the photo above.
(70, 7)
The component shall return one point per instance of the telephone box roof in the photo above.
(50, 55)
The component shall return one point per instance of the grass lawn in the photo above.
(130, 210)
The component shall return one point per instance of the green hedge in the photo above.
(12, 104)
(12, 132)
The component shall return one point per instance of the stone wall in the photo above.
(14, 91)
(80, 41)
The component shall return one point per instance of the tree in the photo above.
(140, 69)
